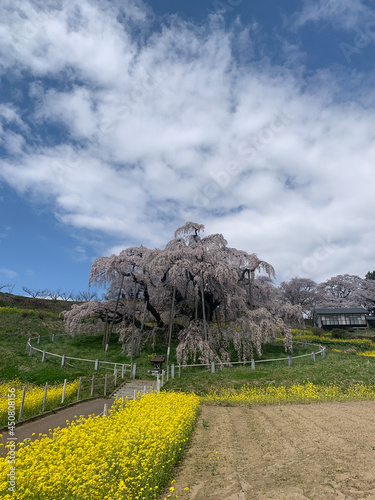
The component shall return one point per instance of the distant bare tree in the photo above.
(9, 286)
(85, 295)
(36, 293)
(66, 295)
(54, 294)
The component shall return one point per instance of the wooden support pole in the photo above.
(63, 394)
(105, 384)
(45, 397)
(92, 385)
(79, 388)
(22, 403)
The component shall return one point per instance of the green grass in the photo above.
(42, 318)
(341, 368)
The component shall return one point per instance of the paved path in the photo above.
(58, 419)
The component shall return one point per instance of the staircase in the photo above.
(131, 389)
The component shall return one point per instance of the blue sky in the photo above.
(121, 120)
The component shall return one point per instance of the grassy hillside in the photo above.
(23, 317)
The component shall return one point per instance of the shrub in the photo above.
(338, 333)
(315, 330)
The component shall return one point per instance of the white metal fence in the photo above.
(171, 373)
(97, 363)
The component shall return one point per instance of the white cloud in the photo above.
(345, 14)
(169, 126)
(8, 273)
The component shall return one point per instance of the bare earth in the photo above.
(314, 451)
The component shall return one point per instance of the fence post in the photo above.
(252, 364)
(172, 371)
(28, 345)
(115, 378)
(63, 394)
(43, 356)
(79, 388)
(212, 367)
(22, 402)
(31, 350)
(305, 344)
(123, 370)
(313, 356)
(179, 369)
(96, 365)
(162, 378)
(53, 337)
(105, 384)
(63, 361)
(158, 383)
(105, 409)
(289, 360)
(134, 370)
(144, 389)
(45, 397)
(38, 340)
(92, 385)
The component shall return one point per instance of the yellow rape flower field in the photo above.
(370, 354)
(297, 393)
(128, 455)
(33, 397)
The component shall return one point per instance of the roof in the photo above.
(158, 358)
(342, 310)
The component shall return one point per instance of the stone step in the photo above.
(129, 389)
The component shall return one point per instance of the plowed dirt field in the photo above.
(313, 451)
